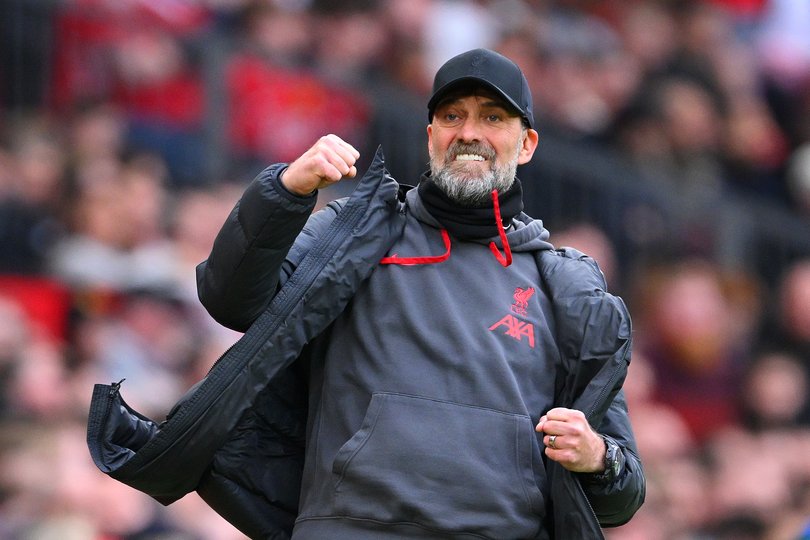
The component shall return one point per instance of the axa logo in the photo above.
(511, 325)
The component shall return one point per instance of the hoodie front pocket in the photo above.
(441, 465)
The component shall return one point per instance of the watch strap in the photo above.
(614, 463)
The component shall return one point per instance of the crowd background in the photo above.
(674, 148)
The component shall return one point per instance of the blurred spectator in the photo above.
(149, 341)
(683, 148)
(595, 243)
(31, 192)
(118, 228)
(649, 32)
(278, 109)
(349, 45)
(775, 392)
(97, 131)
(39, 386)
(685, 322)
(585, 76)
(162, 96)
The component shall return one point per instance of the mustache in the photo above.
(481, 149)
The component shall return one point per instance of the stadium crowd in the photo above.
(128, 128)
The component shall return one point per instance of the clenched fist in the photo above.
(326, 162)
(571, 441)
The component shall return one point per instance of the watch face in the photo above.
(612, 457)
(615, 465)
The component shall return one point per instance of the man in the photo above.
(462, 376)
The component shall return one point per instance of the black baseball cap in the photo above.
(489, 69)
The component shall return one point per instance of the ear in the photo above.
(430, 139)
(530, 141)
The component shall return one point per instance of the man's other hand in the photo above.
(571, 442)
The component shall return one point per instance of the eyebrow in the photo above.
(491, 102)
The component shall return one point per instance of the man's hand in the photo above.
(571, 442)
(326, 162)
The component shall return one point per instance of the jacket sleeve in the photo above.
(249, 258)
(616, 502)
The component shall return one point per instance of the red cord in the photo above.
(505, 261)
(410, 261)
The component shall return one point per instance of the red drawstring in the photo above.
(505, 261)
(409, 261)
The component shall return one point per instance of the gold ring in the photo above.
(551, 440)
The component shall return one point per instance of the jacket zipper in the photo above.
(605, 389)
(115, 387)
(590, 507)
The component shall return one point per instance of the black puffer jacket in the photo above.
(249, 413)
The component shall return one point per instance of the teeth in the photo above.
(469, 157)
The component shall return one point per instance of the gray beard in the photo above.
(471, 189)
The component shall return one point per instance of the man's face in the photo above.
(476, 142)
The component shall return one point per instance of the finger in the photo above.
(346, 151)
(540, 423)
(343, 144)
(563, 456)
(353, 152)
(560, 414)
(327, 166)
(555, 427)
(327, 156)
(342, 160)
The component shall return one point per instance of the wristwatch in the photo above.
(614, 463)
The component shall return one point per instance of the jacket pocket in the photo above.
(442, 465)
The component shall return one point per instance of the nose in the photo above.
(470, 130)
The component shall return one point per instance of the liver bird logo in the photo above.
(521, 297)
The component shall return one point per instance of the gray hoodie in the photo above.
(428, 388)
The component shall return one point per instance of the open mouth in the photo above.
(470, 157)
